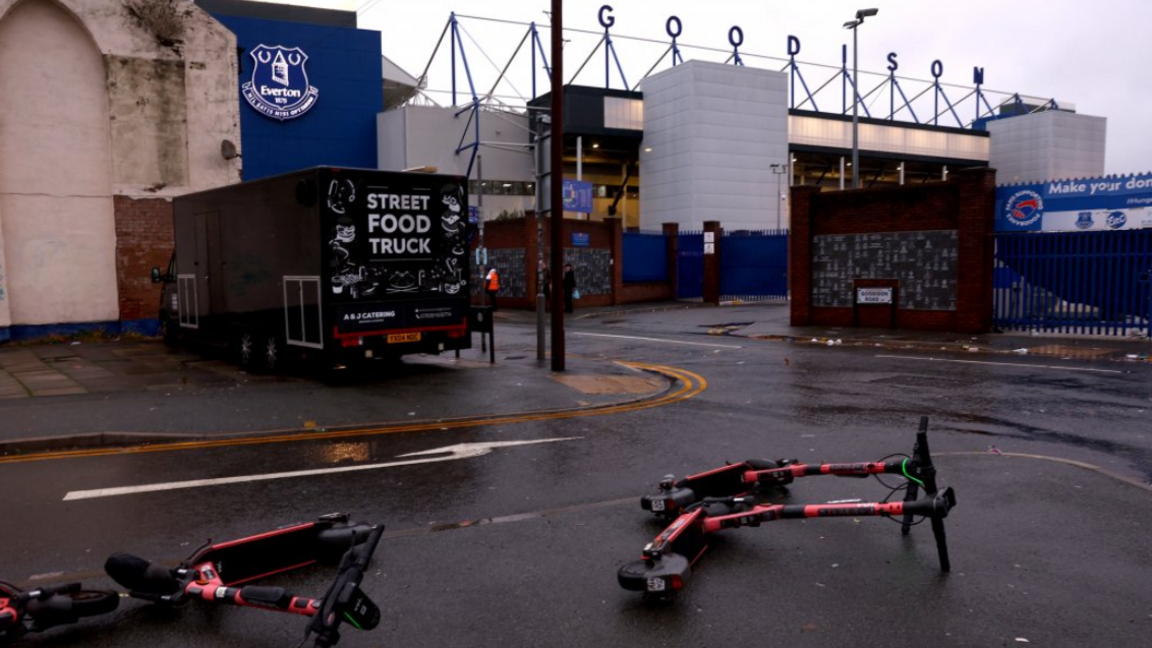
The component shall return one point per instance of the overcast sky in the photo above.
(1087, 53)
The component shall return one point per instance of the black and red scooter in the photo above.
(734, 495)
(221, 573)
(26, 611)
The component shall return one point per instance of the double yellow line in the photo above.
(689, 384)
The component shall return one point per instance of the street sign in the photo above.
(577, 196)
(873, 295)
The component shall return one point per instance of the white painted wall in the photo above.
(93, 105)
(713, 130)
(427, 135)
(55, 170)
(1047, 146)
(414, 136)
(5, 311)
(902, 139)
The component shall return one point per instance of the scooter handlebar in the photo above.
(344, 601)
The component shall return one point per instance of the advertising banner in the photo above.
(396, 250)
(577, 196)
(1090, 204)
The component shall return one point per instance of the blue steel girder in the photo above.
(980, 97)
(940, 93)
(538, 46)
(474, 118)
(812, 98)
(907, 104)
(609, 56)
(954, 114)
(456, 40)
(797, 73)
(856, 93)
(654, 65)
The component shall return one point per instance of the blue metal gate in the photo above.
(1094, 283)
(645, 257)
(754, 265)
(690, 266)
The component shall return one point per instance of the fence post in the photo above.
(672, 258)
(976, 246)
(800, 255)
(712, 262)
(617, 236)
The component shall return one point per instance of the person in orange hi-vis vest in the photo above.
(491, 286)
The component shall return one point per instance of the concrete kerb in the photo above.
(113, 439)
(1111, 349)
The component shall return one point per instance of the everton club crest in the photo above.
(279, 86)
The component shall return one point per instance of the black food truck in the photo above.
(336, 265)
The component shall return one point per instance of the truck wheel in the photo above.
(169, 332)
(246, 350)
(271, 354)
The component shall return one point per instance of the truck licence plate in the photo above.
(394, 338)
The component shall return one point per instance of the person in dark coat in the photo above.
(569, 287)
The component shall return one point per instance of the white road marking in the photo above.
(648, 339)
(452, 453)
(1002, 364)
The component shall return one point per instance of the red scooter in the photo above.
(221, 573)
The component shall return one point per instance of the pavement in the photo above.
(770, 321)
(76, 394)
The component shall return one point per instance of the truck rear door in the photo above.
(395, 253)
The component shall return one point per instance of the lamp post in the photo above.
(853, 25)
(779, 170)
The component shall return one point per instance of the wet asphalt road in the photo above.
(520, 546)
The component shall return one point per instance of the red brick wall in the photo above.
(646, 292)
(521, 233)
(965, 203)
(144, 239)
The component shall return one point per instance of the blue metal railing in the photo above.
(1088, 283)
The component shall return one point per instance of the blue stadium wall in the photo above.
(340, 130)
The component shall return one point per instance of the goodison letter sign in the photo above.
(279, 87)
(1090, 204)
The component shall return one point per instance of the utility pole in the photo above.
(855, 113)
(779, 170)
(540, 163)
(854, 25)
(480, 226)
(556, 180)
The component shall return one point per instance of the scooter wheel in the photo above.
(661, 577)
(634, 576)
(94, 602)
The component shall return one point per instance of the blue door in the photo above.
(690, 266)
